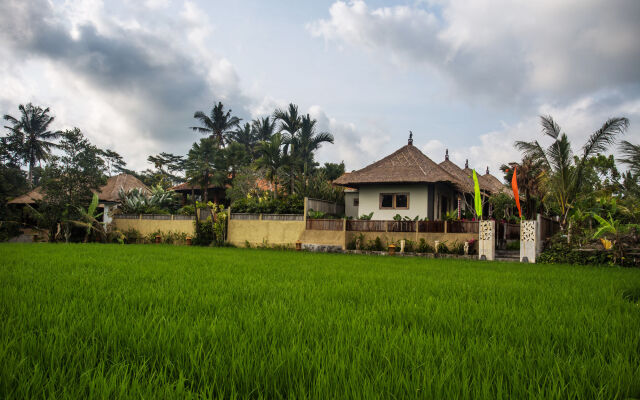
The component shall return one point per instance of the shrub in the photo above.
(265, 205)
(204, 235)
(409, 246)
(457, 248)
(366, 217)
(187, 210)
(561, 252)
(132, 235)
(443, 248)
(424, 247)
(375, 245)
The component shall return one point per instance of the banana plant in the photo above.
(89, 219)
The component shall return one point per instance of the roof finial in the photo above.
(487, 173)
(410, 138)
(466, 163)
(446, 154)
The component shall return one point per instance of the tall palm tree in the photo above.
(290, 124)
(205, 166)
(530, 177)
(272, 159)
(308, 141)
(263, 128)
(32, 135)
(565, 176)
(631, 153)
(218, 124)
(246, 137)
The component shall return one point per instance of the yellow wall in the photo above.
(147, 226)
(329, 238)
(258, 232)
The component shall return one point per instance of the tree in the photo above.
(32, 135)
(272, 159)
(263, 128)
(167, 166)
(631, 156)
(530, 177)
(113, 161)
(69, 180)
(333, 171)
(218, 124)
(245, 137)
(205, 165)
(308, 141)
(290, 124)
(565, 176)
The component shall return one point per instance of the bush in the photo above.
(204, 235)
(424, 247)
(132, 235)
(266, 205)
(457, 248)
(374, 245)
(187, 210)
(562, 253)
(409, 246)
(443, 248)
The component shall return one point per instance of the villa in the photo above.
(410, 184)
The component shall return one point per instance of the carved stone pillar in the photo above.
(528, 241)
(487, 240)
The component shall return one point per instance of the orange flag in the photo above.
(514, 186)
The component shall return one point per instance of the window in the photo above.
(394, 201)
(356, 202)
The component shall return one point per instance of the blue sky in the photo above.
(469, 76)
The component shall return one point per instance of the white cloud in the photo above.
(501, 49)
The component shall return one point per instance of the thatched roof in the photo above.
(108, 192)
(465, 180)
(495, 186)
(406, 165)
(28, 198)
(187, 187)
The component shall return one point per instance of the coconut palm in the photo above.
(308, 141)
(272, 159)
(218, 124)
(31, 135)
(530, 177)
(263, 128)
(290, 124)
(565, 176)
(631, 153)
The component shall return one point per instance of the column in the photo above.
(487, 240)
(528, 241)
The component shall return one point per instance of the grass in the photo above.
(109, 321)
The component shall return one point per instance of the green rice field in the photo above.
(158, 322)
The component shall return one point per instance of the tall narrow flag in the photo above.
(514, 186)
(477, 199)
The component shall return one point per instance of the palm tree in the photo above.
(272, 158)
(565, 176)
(631, 153)
(218, 124)
(530, 183)
(204, 166)
(31, 133)
(308, 141)
(263, 128)
(290, 124)
(246, 137)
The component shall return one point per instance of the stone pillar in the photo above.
(528, 241)
(487, 240)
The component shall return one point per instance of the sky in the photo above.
(469, 76)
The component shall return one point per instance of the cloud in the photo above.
(505, 51)
(122, 83)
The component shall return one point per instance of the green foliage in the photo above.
(443, 248)
(159, 201)
(133, 236)
(502, 204)
(366, 217)
(187, 210)
(267, 205)
(332, 171)
(375, 245)
(515, 245)
(316, 214)
(204, 234)
(561, 253)
(424, 247)
(457, 248)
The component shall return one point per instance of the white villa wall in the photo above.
(370, 200)
(444, 190)
(349, 209)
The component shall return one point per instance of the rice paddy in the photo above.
(154, 321)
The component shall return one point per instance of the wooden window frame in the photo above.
(393, 201)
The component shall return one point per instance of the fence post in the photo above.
(260, 217)
(487, 240)
(306, 205)
(417, 230)
(344, 233)
(445, 226)
(172, 218)
(140, 217)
